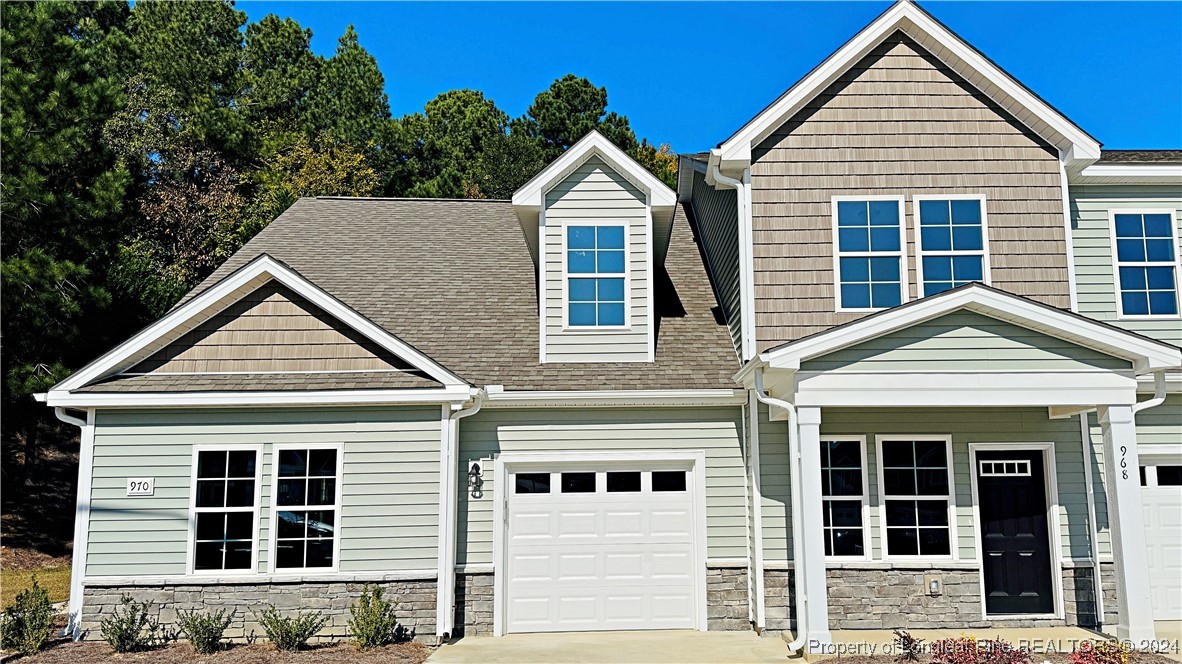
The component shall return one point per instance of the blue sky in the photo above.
(1115, 68)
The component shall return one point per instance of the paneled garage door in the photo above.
(600, 549)
(1161, 496)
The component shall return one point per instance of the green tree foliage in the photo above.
(349, 101)
(142, 145)
(62, 197)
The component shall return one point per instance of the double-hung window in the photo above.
(843, 494)
(596, 278)
(225, 509)
(307, 507)
(869, 257)
(951, 242)
(1146, 263)
(916, 484)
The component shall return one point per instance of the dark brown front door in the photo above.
(1012, 496)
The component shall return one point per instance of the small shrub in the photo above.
(1100, 652)
(373, 623)
(204, 630)
(28, 623)
(290, 633)
(130, 628)
(967, 650)
(907, 647)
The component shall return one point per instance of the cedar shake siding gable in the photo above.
(898, 122)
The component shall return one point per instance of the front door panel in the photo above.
(1017, 558)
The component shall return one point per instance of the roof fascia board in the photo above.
(1145, 354)
(221, 295)
(534, 398)
(532, 193)
(904, 16)
(63, 398)
(1130, 173)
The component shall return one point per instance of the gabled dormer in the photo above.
(598, 226)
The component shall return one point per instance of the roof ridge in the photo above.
(409, 199)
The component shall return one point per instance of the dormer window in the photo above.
(596, 264)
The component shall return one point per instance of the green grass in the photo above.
(55, 580)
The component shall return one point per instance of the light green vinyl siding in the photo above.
(594, 193)
(717, 431)
(980, 425)
(390, 483)
(1091, 207)
(1158, 428)
(776, 488)
(964, 341)
(716, 217)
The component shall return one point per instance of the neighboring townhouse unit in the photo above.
(901, 352)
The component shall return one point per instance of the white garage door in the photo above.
(1161, 495)
(600, 549)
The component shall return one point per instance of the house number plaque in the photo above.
(141, 486)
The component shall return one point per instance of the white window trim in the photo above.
(273, 530)
(627, 275)
(191, 544)
(920, 252)
(883, 497)
(861, 440)
(838, 254)
(1116, 264)
(1054, 528)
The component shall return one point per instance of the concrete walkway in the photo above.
(656, 647)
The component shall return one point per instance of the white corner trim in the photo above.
(253, 399)
(532, 193)
(582, 398)
(650, 262)
(1145, 354)
(957, 54)
(81, 526)
(1068, 233)
(259, 271)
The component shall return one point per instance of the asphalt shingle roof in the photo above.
(454, 279)
(1141, 156)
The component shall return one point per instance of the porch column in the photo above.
(815, 602)
(1126, 523)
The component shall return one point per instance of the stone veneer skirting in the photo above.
(415, 610)
(893, 596)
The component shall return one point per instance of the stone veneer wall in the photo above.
(415, 611)
(882, 597)
(779, 592)
(474, 604)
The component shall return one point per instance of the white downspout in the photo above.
(449, 475)
(794, 472)
(746, 270)
(81, 516)
(1159, 393)
(1089, 452)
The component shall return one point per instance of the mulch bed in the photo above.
(88, 652)
(1036, 658)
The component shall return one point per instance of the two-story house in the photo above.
(897, 353)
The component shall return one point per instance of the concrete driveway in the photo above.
(674, 646)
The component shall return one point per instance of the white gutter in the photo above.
(1159, 393)
(794, 472)
(746, 266)
(1089, 453)
(81, 516)
(757, 516)
(448, 491)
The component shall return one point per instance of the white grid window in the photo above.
(868, 258)
(916, 485)
(307, 507)
(1146, 263)
(225, 509)
(951, 242)
(596, 281)
(843, 496)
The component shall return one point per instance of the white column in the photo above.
(816, 599)
(1126, 522)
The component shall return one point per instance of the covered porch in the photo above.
(942, 473)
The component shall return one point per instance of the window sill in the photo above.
(1170, 317)
(596, 328)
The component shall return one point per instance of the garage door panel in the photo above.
(622, 559)
(1163, 539)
